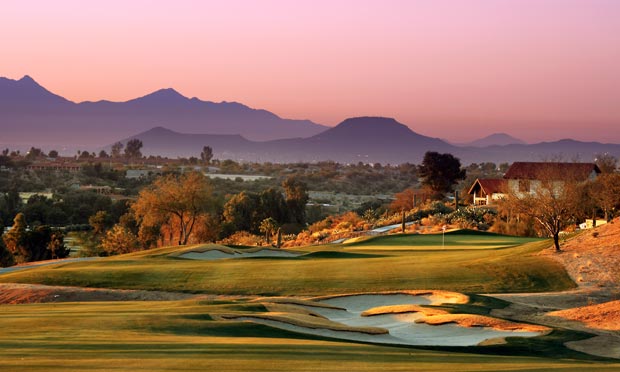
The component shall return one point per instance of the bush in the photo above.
(243, 238)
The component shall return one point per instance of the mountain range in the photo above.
(365, 139)
(35, 115)
(172, 125)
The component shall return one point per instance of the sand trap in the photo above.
(218, 254)
(351, 312)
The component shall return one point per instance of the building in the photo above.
(55, 166)
(528, 177)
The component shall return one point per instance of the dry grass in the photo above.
(593, 261)
(602, 316)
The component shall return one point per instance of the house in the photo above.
(486, 191)
(528, 177)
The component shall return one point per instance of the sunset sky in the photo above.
(459, 70)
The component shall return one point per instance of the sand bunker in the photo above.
(390, 318)
(225, 252)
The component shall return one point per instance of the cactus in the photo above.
(279, 241)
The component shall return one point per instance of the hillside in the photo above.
(593, 261)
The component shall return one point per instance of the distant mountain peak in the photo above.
(27, 79)
(163, 95)
(375, 129)
(26, 89)
(161, 130)
(496, 139)
(371, 124)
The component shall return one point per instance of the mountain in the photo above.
(365, 139)
(31, 114)
(496, 139)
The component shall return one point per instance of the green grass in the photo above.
(460, 239)
(180, 335)
(467, 270)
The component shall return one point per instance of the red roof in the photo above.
(551, 171)
(490, 185)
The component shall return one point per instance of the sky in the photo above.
(458, 70)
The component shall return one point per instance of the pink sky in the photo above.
(537, 69)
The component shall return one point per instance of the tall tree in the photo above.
(240, 212)
(271, 203)
(207, 154)
(177, 201)
(132, 149)
(296, 199)
(440, 172)
(267, 227)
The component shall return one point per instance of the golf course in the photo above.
(392, 302)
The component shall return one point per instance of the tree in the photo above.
(440, 172)
(296, 199)
(53, 154)
(56, 245)
(103, 154)
(606, 163)
(119, 240)
(100, 222)
(177, 201)
(403, 201)
(116, 150)
(271, 203)
(34, 153)
(132, 149)
(240, 212)
(6, 258)
(208, 228)
(553, 205)
(206, 155)
(605, 192)
(15, 239)
(267, 227)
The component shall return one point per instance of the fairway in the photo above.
(514, 269)
(201, 333)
